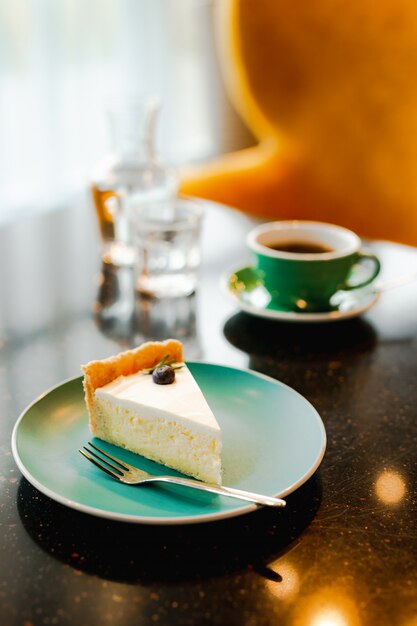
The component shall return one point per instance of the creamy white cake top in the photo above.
(182, 400)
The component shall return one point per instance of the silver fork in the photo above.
(125, 473)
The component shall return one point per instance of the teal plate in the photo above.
(273, 441)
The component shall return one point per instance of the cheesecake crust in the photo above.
(100, 373)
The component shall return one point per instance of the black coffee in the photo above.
(300, 247)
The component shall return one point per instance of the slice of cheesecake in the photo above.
(168, 423)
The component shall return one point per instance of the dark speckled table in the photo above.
(343, 552)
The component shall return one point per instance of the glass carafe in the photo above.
(132, 169)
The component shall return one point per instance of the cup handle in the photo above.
(363, 256)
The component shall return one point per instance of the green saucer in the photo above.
(245, 287)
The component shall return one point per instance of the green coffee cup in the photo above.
(302, 264)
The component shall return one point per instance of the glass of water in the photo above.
(167, 241)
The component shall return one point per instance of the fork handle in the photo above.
(223, 491)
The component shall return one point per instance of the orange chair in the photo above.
(329, 88)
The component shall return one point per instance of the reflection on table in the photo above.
(131, 318)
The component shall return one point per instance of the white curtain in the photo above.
(61, 59)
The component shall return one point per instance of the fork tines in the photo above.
(115, 469)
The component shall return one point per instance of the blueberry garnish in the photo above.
(164, 375)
